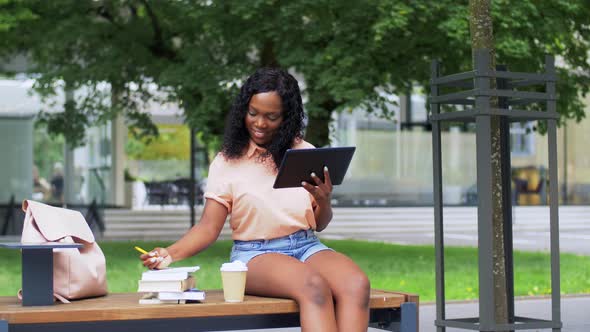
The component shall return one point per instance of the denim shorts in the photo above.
(300, 245)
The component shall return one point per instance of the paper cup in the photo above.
(233, 277)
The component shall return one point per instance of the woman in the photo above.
(273, 229)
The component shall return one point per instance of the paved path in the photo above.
(575, 313)
(416, 226)
(403, 225)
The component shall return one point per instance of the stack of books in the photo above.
(172, 285)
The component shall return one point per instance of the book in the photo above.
(174, 273)
(192, 294)
(158, 301)
(166, 285)
(152, 298)
(165, 276)
(189, 269)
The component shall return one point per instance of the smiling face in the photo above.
(264, 117)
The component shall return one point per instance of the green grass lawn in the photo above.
(392, 267)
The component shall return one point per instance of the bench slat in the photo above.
(125, 306)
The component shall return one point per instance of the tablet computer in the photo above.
(298, 164)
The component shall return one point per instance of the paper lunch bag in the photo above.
(77, 273)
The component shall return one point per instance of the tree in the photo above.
(197, 53)
(482, 39)
(142, 50)
(512, 39)
(346, 50)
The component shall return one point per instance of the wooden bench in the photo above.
(120, 312)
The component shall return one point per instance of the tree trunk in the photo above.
(318, 125)
(482, 37)
(268, 58)
(318, 130)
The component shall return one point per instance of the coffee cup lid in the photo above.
(234, 266)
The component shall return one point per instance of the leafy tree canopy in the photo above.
(197, 52)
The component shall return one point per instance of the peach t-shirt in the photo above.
(257, 210)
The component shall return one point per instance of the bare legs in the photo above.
(332, 292)
(283, 276)
(350, 288)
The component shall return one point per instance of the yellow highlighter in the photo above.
(140, 250)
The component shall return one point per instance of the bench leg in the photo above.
(37, 276)
(409, 317)
(3, 325)
(403, 319)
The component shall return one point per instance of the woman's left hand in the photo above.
(321, 191)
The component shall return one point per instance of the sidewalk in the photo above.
(575, 313)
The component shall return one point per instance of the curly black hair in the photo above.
(236, 137)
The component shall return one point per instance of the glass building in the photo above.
(392, 165)
(393, 161)
(78, 176)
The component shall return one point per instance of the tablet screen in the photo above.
(298, 164)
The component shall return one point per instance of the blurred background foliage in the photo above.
(196, 53)
(171, 143)
(48, 150)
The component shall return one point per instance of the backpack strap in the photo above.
(61, 298)
(55, 295)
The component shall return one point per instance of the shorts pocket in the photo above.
(247, 245)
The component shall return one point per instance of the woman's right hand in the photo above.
(157, 258)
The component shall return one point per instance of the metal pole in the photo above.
(506, 197)
(408, 109)
(564, 191)
(438, 214)
(554, 199)
(191, 196)
(68, 171)
(484, 194)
